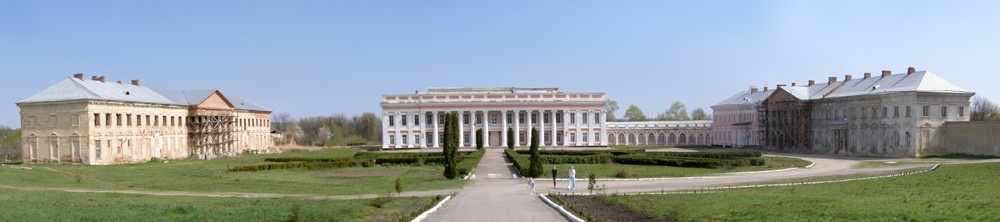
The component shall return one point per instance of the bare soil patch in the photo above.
(592, 208)
(365, 173)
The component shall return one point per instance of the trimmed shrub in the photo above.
(520, 161)
(306, 165)
(715, 155)
(577, 159)
(470, 162)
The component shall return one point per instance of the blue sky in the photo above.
(312, 58)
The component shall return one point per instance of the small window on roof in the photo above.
(127, 93)
(875, 87)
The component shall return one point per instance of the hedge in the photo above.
(576, 159)
(307, 159)
(520, 161)
(466, 164)
(583, 152)
(689, 162)
(307, 165)
(715, 155)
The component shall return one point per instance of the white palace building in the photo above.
(562, 118)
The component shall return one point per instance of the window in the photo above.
(585, 137)
(465, 119)
(138, 120)
(885, 111)
(416, 139)
(572, 118)
(479, 119)
(559, 118)
(534, 118)
(585, 119)
(944, 111)
(392, 120)
(520, 137)
(493, 119)
(510, 119)
(545, 118)
(392, 139)
(107, 119)
(118, 119)
(895, 111)
(156, 120)
(404, 140)
(403, 120)
(572, 138)
(97, 119)
(874, 113)
(597, 118)
(597, 137)
(908, 111)
(97, 148)
(520, 120)
(907, 139)
(548, 137)
(430, 119)
(440, 120)
(128, 119)
(173, 121)
(927, 111)
(961, 111)
(164, 120)
(430, 138)
(466, 137)
(416, 120)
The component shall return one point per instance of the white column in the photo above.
(472, 128)
(423, 129)
(385, 131)
(486, 128)
(503, 125)
(435, 122)
(541, 128)
(517, 128)
(461, 133)
(604, 130)
(409, 130)
(399, 136)
(527, 134)
(554, 139)
(565, 117)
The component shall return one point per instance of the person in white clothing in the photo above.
(572, 178)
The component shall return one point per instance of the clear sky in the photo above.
(312, 58)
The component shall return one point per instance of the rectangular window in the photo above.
(173, 121)
(597, 137)
(520, 119)
(534, 118)
(430, 139)
(907, 139)
(416, 120)
(392, 139)
(118, 119)
(97, 119)
(440, 121)
(520, 137)
(927, 111)
(416, 139)
(510, 119)
(874, 113)
(545, 118)
(97, 148)
(885, 111)
(392, 120)
(895, 111)
(164, 120)
(147, 120)
(572, 138)
(429, 119)
(465, 119)
(908, 111)
(466, 137)
(493, 119)
(572, 118)
(559, 118)
(597, 118)
(479, 119)
(585, 137)
(403, 120)
(138, 120)
(128, 119)
(961, 111)
(944, 111)
(585, 119)
(405, 141)
(156, 120)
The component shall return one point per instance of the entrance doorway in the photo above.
(495, 139)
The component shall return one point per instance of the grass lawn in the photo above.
(21, 205)
(212, 176)
(965, 192)
(648, 171)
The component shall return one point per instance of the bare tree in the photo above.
(983, 109)
(281, 121)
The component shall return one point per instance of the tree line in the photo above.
(10, 143)
(334, 130)
(676, 112)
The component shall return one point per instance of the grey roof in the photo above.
(746, 98)
(75, 89)
(922, 81)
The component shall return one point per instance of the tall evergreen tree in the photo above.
(510, 138)
(479, 139)
(535, 167)
(450, 145)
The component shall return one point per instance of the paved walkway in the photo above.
(498, 199)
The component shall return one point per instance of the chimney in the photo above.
(765, 89)
(780, 85)
(102, 79)
(119, 82)
(78, 76)
(886, 73)
(812, 82)
(847, 78)
(753, 90)
(832, 79)
(868, 75)
(910, 70)
(135, 82)
(793, 84)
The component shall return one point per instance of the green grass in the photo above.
(21, 205)
(646, 171)
(211, 176)
(965, 192)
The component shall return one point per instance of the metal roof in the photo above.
(746, 97)
(76, 89)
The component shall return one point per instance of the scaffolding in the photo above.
(212, 133)
(784, 123)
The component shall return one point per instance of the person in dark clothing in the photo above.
(555, 172)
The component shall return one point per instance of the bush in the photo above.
(307, 165)
(714, 155)
(470, 162)
(399, 185)
(577, 159)
(623, 172)
(520, 161)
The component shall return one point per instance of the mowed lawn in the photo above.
(969, 192)
(19, 205)
(212, 176)
(646, 171)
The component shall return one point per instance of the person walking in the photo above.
(572, 178)
(531, 183)
(555, 172)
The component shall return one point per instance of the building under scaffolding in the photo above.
(784, 121)
(211, 133)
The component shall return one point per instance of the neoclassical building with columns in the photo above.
(567, 119)
(693, 132)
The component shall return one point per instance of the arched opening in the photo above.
(612, 139)
(661, 139)
(642, 138)
(673, 139)
(701, 139)
(683, 139)
(691, 139)
(631, 138)
(621, 138)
